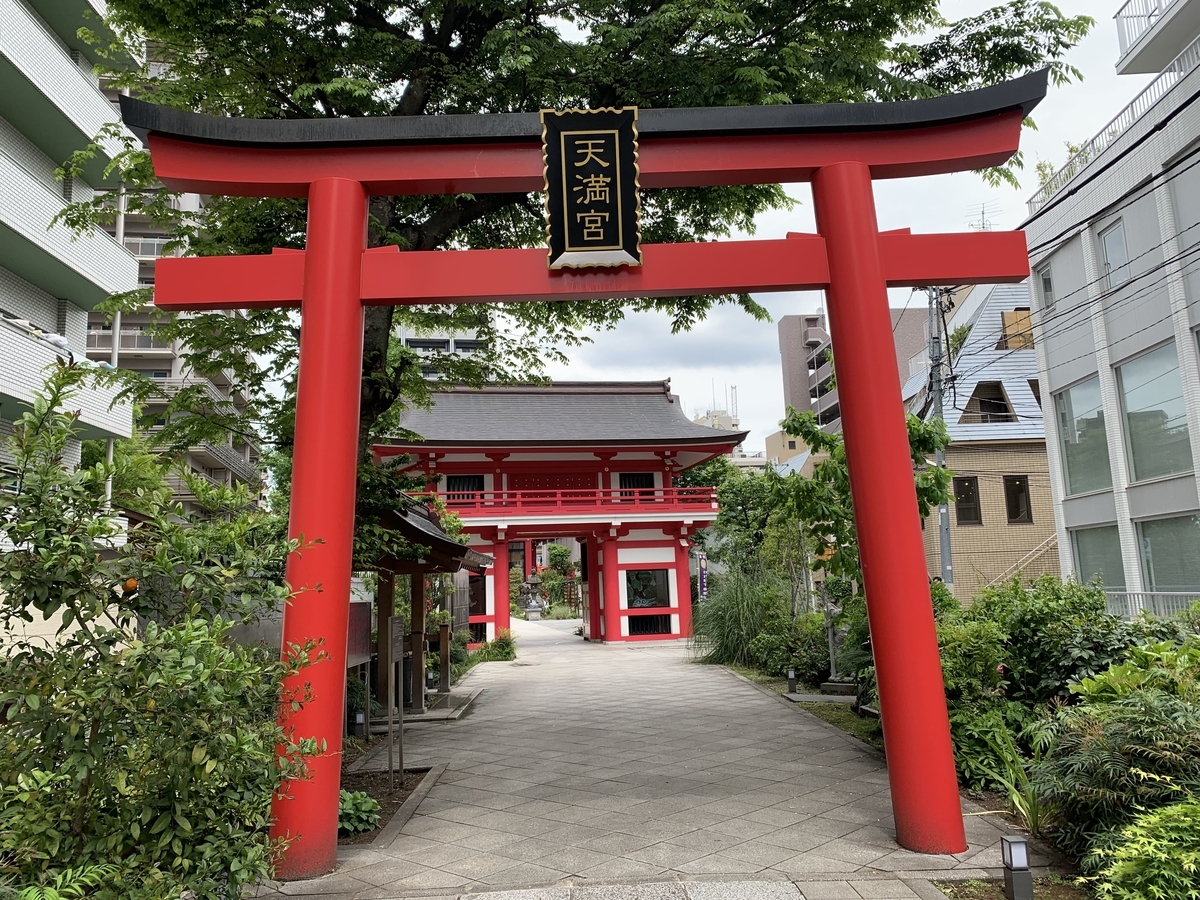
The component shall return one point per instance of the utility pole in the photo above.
(935, 391)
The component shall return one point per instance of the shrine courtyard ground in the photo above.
(590, 771)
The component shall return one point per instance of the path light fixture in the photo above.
(1018, 881)
(791, 681)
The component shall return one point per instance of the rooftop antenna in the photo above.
(986, 211)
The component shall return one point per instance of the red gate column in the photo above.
(912, 701)
(612, 589)
(322, 508)
(501, 608)
(683, 590)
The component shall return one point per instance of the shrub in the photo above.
(502, 648)
(1109, 760)
(737, 611)
(973, 654)
(357, 812)
(1056, 632)
(1156, 856)
(982, 738)
(143, 737)
(800, 644)
(1174, 669)
(515, 579)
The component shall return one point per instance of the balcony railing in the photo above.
(1136, 17)
(628, 499)
(131, 339)
(148, 248)
(1128, 604)
(1174, 73)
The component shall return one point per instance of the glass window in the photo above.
(966, 501)
(516, 556)
(1082, 438)
(1116, 259)
(463, 487)
(646, 588)
(1156, 429)
(1171, 553)
(1016, 499)
(1047, 288)
(1098, 555)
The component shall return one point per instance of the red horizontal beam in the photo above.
(517, 168)
(669, 270)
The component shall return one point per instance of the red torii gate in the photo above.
(337, 164)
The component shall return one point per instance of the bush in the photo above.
(142, 738)
(973, 654)
(1156, 856)
(502, 648)
(800, 644)
(982, 739)
(357, 812)
(1110, 760)
(737, 610)
(1174, 669)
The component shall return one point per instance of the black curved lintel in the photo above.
(1022, 93)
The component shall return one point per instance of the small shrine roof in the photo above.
(558, 414)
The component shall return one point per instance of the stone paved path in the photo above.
(603, 769)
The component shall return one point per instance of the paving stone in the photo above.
(828, 890)
(743, 890)
(884, 889)
(645, 891)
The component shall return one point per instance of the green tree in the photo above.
(137, 477)
(309, 59)
(823, 502)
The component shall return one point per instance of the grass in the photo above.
(1054, 887)
(772, 683)
(840, 715)
(560, 611)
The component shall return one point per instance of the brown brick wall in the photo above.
(983, 552)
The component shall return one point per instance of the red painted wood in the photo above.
(924, 786)
(322, 516)
(391, 277)
(517, 168)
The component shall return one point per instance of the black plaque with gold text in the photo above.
(591, 170)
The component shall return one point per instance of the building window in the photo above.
(1036, 387)
(966, 501)
(1098, 555)
(463, 487)
(636, 484)
(1155, 418)
(988, 405)
(1016, 499)
(1018, 330)
(646, 588)
(1171, 553)
(1116, 258)
(1082, 438)
(516, 557)
(791, 445)
(1047, 288)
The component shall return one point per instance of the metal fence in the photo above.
(1128, 604)
(1135, 18)
(1182, 65)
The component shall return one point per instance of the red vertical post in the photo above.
(500, 607)
(683, 582)
(322, 509)
(595, 576)
(912, 701)
(612, 589)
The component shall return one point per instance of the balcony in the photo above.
(24, 358)
(1175, 72)
(131, 339)
(149, 247)
(225, 457)
(602, 501)
(1153, 32)
(1127, 604)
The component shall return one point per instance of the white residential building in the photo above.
(1114, 243)
(50, 106)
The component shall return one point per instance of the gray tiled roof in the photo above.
(614, 413)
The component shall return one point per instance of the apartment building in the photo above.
(1002, 512)
(1114, 241)
(50, 106)
(805, 348)
(126, 342)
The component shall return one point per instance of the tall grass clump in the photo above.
(736, 611)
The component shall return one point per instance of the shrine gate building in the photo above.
(594, 461)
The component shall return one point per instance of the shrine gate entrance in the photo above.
(840, 148)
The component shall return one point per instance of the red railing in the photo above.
(630, 499)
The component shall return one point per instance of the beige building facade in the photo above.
(1001, 518)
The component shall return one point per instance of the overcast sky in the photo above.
(730, 348)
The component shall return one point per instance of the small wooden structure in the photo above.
(439, 553)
